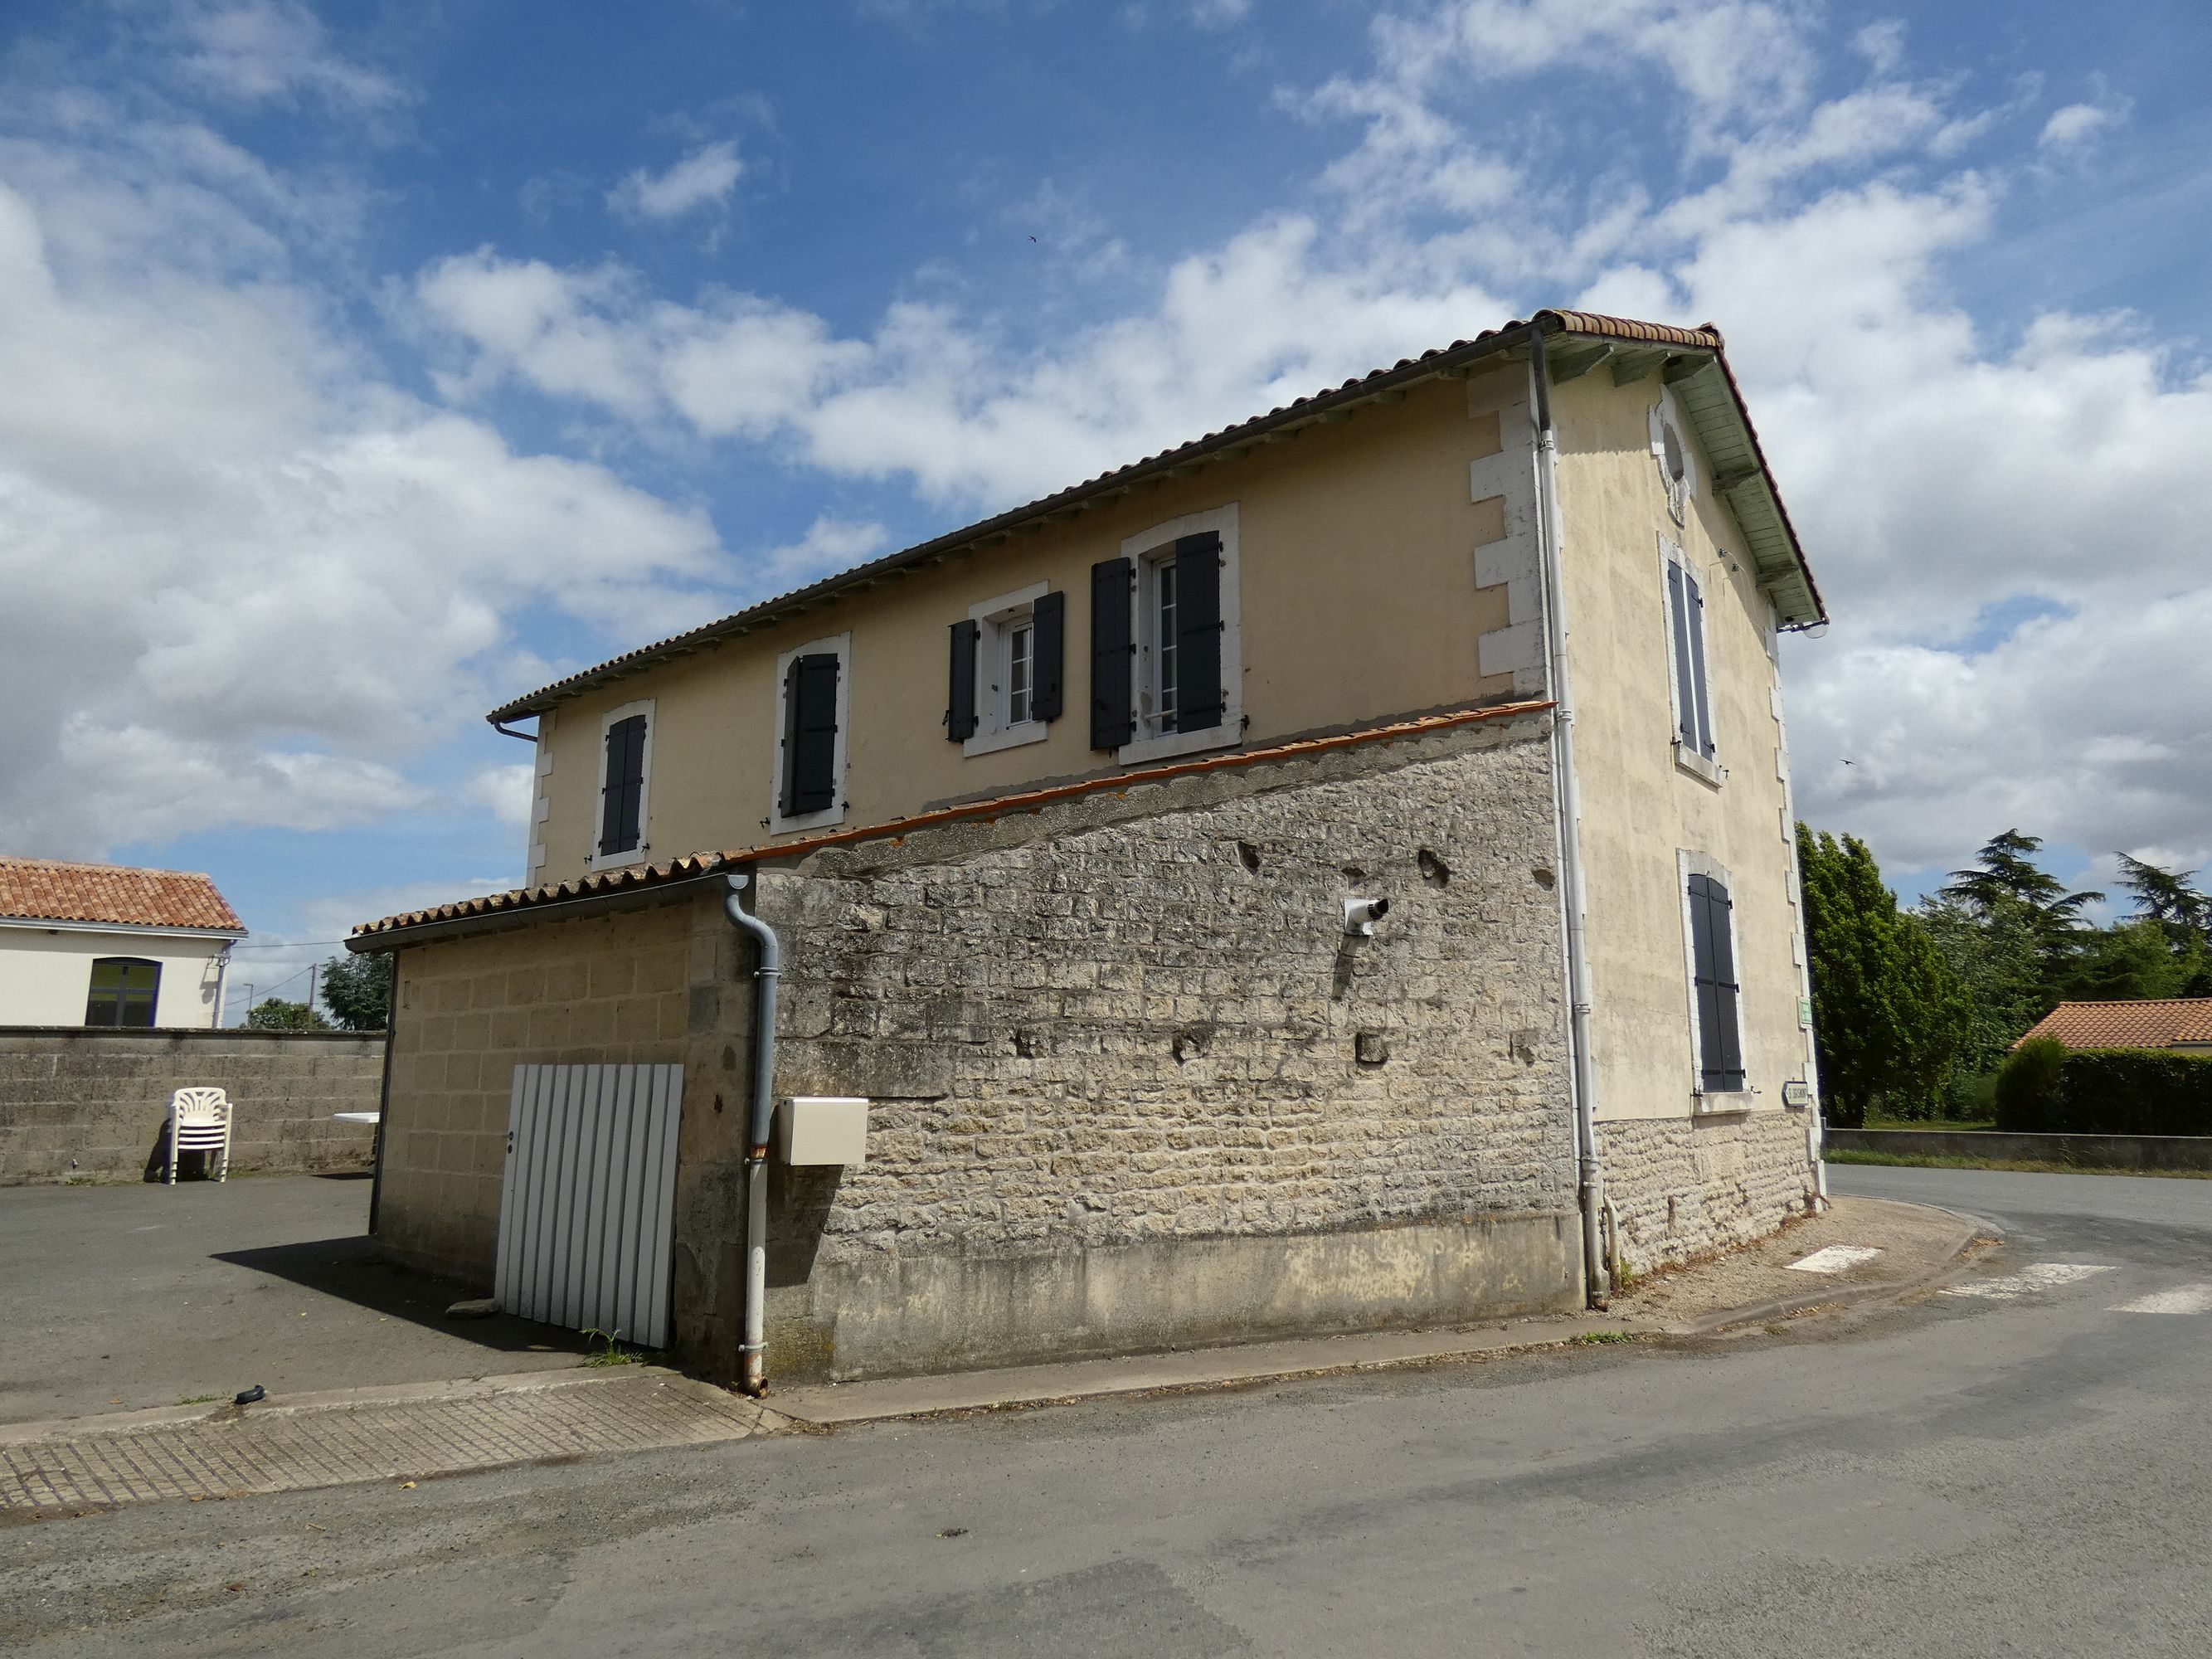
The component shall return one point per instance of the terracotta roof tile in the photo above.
(46, 889)
(2147, 1024)
(1028, 800)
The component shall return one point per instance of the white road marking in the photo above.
(2037, 1276)
(2182, 1299)
(1836, 1259)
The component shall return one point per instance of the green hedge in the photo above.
(2106, 1091)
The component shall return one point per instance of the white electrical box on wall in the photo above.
(812, 1129)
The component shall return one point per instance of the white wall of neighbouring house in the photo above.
(45, 973)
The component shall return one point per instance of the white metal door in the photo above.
(587, 1204)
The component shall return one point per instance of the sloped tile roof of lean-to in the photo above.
(46, 890)
(2152, 1024)
(1693, 359)
(391, 932)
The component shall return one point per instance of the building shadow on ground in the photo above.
(353, 1269)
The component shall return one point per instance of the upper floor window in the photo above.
(1715, 997)
(625, 767)
(1687, 675)
(1005, 679)
(124, 990)
(1671, 452)
(813, 697)
(1166, 669)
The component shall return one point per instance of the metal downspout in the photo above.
(1596, 1277)
(770, 966)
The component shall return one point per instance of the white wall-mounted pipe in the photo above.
(760, 1116)
(1596, 1277)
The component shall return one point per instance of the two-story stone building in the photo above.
(1068, 827)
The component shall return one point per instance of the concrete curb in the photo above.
(394, 1394)
(1839, 1296)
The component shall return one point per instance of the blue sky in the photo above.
(362, 366)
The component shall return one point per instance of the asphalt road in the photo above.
(1960, 1475)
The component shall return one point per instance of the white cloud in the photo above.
(2076, 124)
(253, 51)
(509, 790)
(705, 178)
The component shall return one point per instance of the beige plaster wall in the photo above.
(1358, 596)
(1638, 807)
(46, 974)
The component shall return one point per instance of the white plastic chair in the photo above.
(199, 1121)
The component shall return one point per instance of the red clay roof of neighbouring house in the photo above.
(46, 890)
(1605, 332)
(2148, 1024)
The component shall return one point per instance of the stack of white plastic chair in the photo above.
(199, 1121)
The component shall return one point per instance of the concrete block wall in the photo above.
(599, 990)
(93, 1105)
(1684, 1188)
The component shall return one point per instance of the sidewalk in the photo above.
(404, 1433)
(1907, 1245)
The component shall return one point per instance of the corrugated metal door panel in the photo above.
(586, 1198)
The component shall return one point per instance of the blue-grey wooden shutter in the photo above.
(810, 734)
(1113, 648)
(1720, 1059)
(1686, 684)
(622, 798)
(1199, 694)
(1049, 649)
(1703, 691)
(960, 694)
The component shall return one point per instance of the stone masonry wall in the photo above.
(1091, 1039)
(1683, 1188)
(93, 1105)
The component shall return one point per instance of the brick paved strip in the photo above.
(335, 1441)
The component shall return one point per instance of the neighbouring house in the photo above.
(2184, 1023)
(101, 944)
(1335, 873)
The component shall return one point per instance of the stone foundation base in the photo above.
(1685, 1186)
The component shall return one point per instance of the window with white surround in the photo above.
(1671, 452)
(1006, 670)
(813, 713)
(1167, 670)
(1708, 949)
(1688, 675)
(621, 835)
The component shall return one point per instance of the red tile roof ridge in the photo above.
(706, 862)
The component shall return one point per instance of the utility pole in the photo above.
(312, 970)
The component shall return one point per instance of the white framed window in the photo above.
(1709, 959)
(1012, 665)
(1689, 677)
(1187, 690)
(623, 833)
(813, 715)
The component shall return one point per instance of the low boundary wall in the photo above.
(77, 1105)
(2086, 1151)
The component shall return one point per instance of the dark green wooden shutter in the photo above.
(622, 798)
(810, 735)
(1049, 643)
(1686, 684)
(1113, 646)
(1199, 693)
(1720, 1058)
(960, 694)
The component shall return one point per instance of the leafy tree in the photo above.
(2167, 898)
(275, 1014)
(2131, 960)
(1890, 1017)
(357, 990)
(2004, 876)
